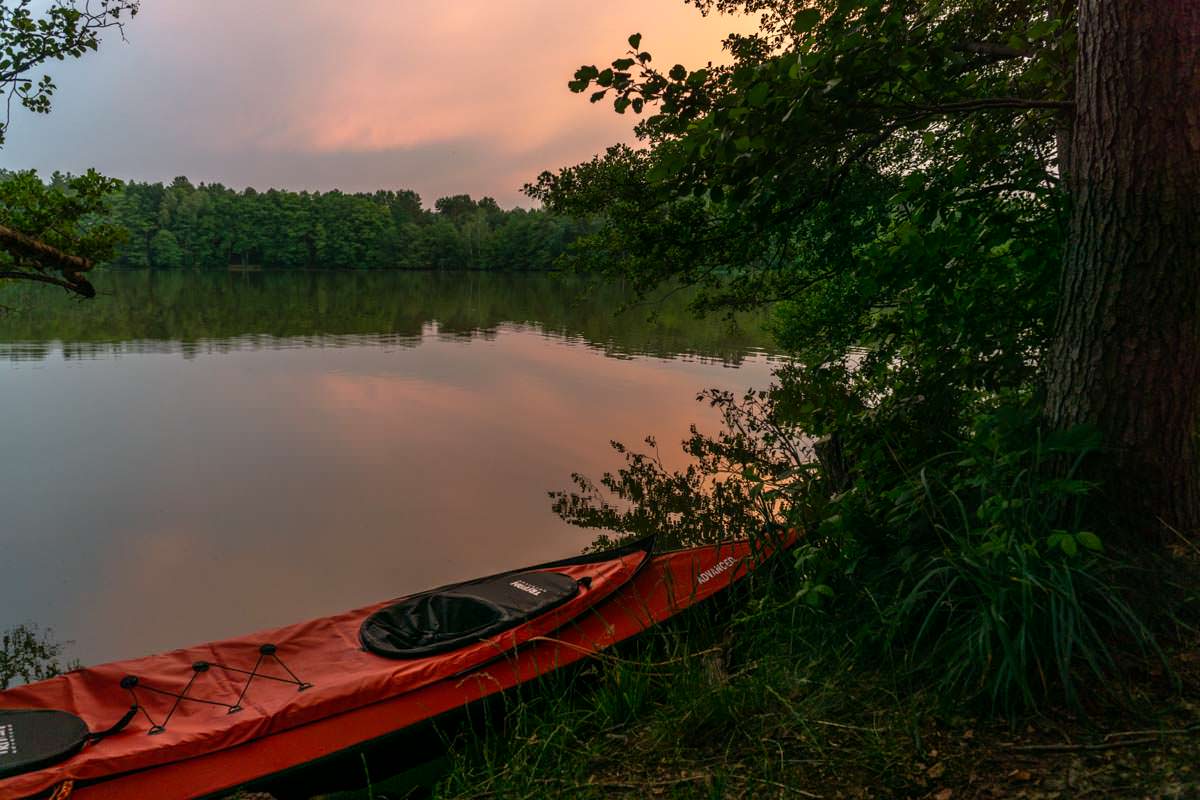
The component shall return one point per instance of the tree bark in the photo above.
(1126, 351)
(41, 252)
(43, 256)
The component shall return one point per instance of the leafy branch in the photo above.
(65, 30)
(52, 229)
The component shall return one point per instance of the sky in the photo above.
(439, 96)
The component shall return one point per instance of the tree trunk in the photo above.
(1126, 351)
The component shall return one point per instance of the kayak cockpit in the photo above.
(444, 620)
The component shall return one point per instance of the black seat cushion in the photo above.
(34, 738)
(455, 616)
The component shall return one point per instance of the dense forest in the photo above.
(212, 226)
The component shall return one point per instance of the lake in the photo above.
(198, 455)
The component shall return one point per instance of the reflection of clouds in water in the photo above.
(221, 495)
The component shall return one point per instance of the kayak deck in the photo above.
(197, 700)
(278, 740)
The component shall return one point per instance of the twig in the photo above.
(985, 103)
(784, 786)
(1111, 740)
(624, 785)
(1154, 732)
(844, 725)
(1071, 748)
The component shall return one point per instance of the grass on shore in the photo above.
(773, 705)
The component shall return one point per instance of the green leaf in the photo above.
(1089, 540)
(623, 63)
(1042, 28)
(635, 41)
(806, 20)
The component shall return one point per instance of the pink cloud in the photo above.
(401, 76)
(370, 91)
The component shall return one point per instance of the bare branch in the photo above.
(990, 103)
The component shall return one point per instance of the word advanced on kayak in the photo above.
(716, 569)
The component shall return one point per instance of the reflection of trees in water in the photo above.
(28, 653)
(200, 312)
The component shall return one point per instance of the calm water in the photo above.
(196, 456)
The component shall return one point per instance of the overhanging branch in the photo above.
(44, 254)
(80, 286)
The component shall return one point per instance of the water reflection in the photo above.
(152, 501)
(196, 313)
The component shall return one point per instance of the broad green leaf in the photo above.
(806, 20)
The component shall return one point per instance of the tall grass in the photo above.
(1014, 600)
(702, 708)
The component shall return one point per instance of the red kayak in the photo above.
(206, 719)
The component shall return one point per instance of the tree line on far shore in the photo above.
(210, 226)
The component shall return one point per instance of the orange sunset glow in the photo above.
(443, 98)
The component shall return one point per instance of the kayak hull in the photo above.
(660, 587)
